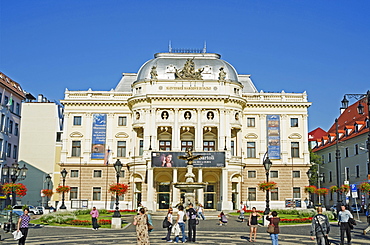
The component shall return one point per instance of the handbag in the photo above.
(185, 218)
(17, 235)
(150, 227)
(166, 223)
(351, 223)
(322, 231)
(271, 227)
(196, 221)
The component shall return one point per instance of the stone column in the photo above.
(175, 191)
(225, 203)
(151, 204)
(199, 132)
(176, 131)
(200, 191)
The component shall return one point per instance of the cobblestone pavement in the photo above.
(208, 232)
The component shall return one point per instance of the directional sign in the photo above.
(354, 191)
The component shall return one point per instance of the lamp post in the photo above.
(320, 178)
(117, 166)
(267, 164)
(48, 180)
(337, 165)
(64, 175)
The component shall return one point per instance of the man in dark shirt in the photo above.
(192, 226)
(320, 227)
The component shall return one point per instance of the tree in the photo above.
(316, 161)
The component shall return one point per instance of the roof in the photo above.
(316, 134)
(12, 85)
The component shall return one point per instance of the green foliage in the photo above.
(24, 207)
(82, 211)
(301, 213)
(9, 207)
(58, 217)
(316, 161)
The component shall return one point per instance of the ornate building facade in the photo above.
(177, 101)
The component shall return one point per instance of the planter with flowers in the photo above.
(344, 189)
(365, 186)
(118, 189)
(322, 191)
(264, 186)
(63, 189)
(19, 189)
(47, 192)
(333, 188)
(310, 189)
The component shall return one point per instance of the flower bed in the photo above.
(298, 220)
(123, 211)
(250, 211)
(88, 222)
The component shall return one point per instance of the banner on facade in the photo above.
(273, 136)
(99, 127)
(170, 159)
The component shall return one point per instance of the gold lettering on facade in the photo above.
(188, 88)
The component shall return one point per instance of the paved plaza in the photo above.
(208, 232)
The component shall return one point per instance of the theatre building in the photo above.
(178, 101)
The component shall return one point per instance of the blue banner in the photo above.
(273, 136)
(98, 136)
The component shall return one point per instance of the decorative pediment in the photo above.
(295, 136)
(76, 135)
(251, 136)
(121, 135)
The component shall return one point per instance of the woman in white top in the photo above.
(180, 221)
(169, 228)
(200, 211)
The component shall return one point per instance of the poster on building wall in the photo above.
(273, 136)
(170, 159)
(99, 127)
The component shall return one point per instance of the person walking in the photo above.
(200, 211)
(367, 212)
(169, 228)
(141, 223)
(223, 218)
(242, 209)
(253, 224)
(320, 227)
(180, 221)
(344, 216)
(23, 222)
(274, 220)
(94, 218)
(192, 225)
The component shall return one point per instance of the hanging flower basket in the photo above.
(47, 192)
(118, 189)
(310, 189)
(365, 186)
(344, 188)
(333, 188)
(19, 188)
(322, 191)
(63, 189)
(264, 186)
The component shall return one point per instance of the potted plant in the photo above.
(264, 186)
(118, 189)
(47, 192)
(333, 188)
(63, 189)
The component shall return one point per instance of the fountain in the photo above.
(189, 185)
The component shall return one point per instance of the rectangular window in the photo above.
(2, 122)
(141, 147)
(96, 193)
(346, 177)
(232, 148)
(275, 194)
(357, 171)
(251, 174)
(1, 97)
(18, 109)
(74, 173)
(356, 149)
(329, 157)
(76, 148)
(122, 121)
(346, 152)
(77, 120)
(122, 174)
(73, 193)
(16, 129)
(164, 145)
(208, 145)
(6, 100)
(59, 137)
(295, 149)
(12, 107)
(15, 152)
(294, 122)
(10, 127)
(121, 148)
(187, 144)
(330, 176)
(252, 194)
(9, 150)
(296, 192)
(97, 173)
(251, 122)
(296, 174)
(274, 174)
(251, 149)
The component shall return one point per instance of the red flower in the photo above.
(19, 188)
(322, 191)
(118, 189)
(310, 189)
(63, 189)
(267, 185)
(47, 192)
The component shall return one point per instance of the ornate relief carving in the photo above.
(188, 72)
(251, 136)
(295, 136)
(121, 135)
(187, 115)
(164, 115)
(153, 73)
(76, 135)
(222, 74)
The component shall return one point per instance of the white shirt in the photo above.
(169, 217)
(200, 209)
(181, 214)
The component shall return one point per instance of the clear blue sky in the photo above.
(322, 47)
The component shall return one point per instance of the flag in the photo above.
(10, 102)
(106, 157)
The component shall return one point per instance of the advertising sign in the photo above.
(98, 136)
(273, 136)
(170, 159)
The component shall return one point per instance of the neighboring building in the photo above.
(40, 146)
(11, 96)
(315, 135)
(175, 101)
(353, 130)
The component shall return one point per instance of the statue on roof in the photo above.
(153, 73)
(188, 71)
(189, 157)
(222, 74)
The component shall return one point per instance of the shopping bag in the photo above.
(17, 235)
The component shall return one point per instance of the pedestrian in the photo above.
(242, 209)
(94, 218)
(192, 224)
(139, 205)
(253, 224)
(180, 221)
(150, 220)
(169, 228)
(367, 212)
(200, 211)
(23, 222)
(320, 227)
(274, 220)
(344, 216)
(223, 218)
(141, 222)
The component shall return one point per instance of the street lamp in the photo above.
(48, 180)
(337, 164)
(64, 175)
(267, 164)
(117, 166)
(320, 178)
